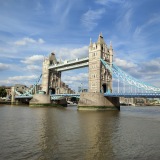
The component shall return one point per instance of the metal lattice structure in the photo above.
(61, 96)
(28, 92)
(127, 79)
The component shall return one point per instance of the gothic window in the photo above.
(102, 47)
(94, 54)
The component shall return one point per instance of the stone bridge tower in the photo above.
(51, 79)
(100, 79)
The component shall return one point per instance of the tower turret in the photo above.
(100, 79)
(100, 39)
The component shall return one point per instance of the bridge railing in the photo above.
(132, 95)
(60, 96)
(69, 62)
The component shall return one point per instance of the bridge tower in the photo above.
(100, 79)
(51, 79)
(45, 75)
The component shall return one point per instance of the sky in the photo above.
(31, 29)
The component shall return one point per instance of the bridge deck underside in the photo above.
(133, 95)
(71, 65)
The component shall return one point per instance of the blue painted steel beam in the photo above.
(133, 95)
(127, 79)
(23, 97)
(59, 96)
(66, 95)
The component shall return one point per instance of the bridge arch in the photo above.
(104, 87)
(52, 91)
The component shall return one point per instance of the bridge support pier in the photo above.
(40, 100)
(13, 101)
(97, 101)
(43, 100)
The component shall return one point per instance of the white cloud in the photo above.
(76, 80)
(90, 18)
(155, 19)
(124, 64)
(33, 59)
(124, 21)
(40, 40)
(78, 77)
(145, 71)
(107, 2)
(34, 67)
(66, 53)
(27, 40)
(152, 67)
(19, 80)
(62, 18)
(4, 66)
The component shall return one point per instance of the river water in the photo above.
(67, 134)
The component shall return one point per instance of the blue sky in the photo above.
(32, 29)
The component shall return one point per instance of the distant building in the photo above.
(21, 88)
(140, 101)
(127, 101)
(80, 89)
(37, 88)
(153, 101)
(84, 90)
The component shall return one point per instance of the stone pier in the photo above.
(40, 100)
(13, 101)
(43, 100)
(96, 101)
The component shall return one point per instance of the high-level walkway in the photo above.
(70, 64)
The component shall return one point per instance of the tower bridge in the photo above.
(101, 71)
(100, 79)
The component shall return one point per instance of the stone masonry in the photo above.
(100, 79)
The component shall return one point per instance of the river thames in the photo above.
(67, 134)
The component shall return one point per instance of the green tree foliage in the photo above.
(3, 92)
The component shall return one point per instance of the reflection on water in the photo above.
(68, 134)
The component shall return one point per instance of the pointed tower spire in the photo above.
(101, 34)
(110, 44)
(90, 41)
(100, 39)
(60, 61)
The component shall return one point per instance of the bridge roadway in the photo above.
(71, 64)
(133, 95)
(126, 95)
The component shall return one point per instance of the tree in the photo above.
(3, 92)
